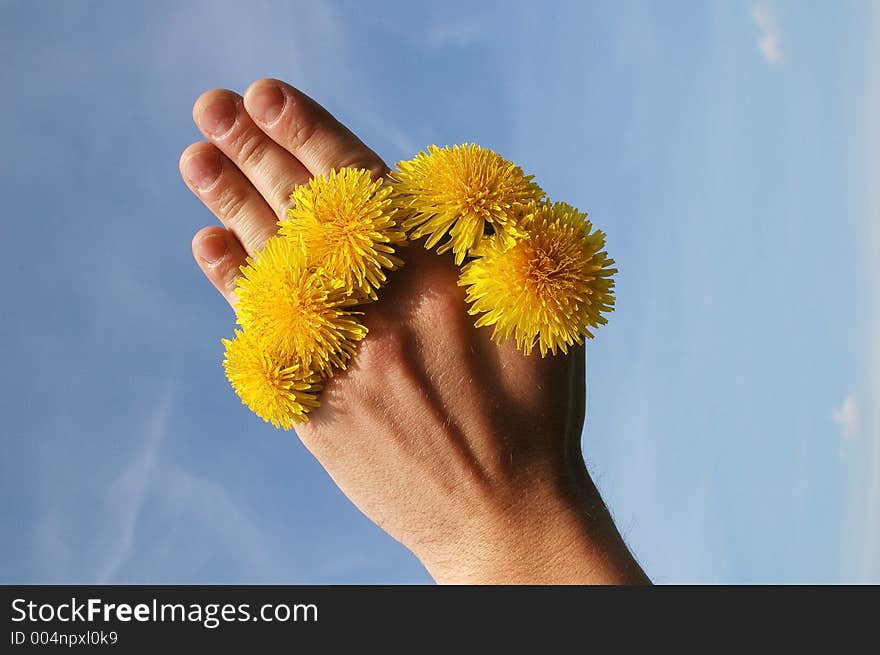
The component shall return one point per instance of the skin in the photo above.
(466, 452)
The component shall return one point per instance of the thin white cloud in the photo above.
(152, 486)
(230, 523)
(127, 494)
(769, 41)
(847, 417)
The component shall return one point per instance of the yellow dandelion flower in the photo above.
(460, 191)
(277, 393)
(550, 287)
(346, 224)
(295, 310)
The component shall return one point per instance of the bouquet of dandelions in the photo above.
(534, 269)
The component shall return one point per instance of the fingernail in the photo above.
(203, 169)
(266, 103)
(212, 247)
(218, 117)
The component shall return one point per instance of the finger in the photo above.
(428, 305)
(307, 130)
(274, 172)
(532, 381)
(219, 184)
(219, 254)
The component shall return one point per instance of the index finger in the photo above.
(307, 130)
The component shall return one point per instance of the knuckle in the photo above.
(303, 130)
(363, 158)
(378, 169)
(253, 157)
(231, 204)
(228, 281)
(280, 191)
(439, 305)
(354, 154)
(384, 348)
(252, 149)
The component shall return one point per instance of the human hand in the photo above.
(466, 452)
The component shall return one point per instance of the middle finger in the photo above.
(221, 117)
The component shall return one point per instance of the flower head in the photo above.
(347, 227)
(279, 394)
(295, 310)
(550, 287)
(460, 190)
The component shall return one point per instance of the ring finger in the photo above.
(218, 183)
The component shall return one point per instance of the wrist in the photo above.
(556, 530)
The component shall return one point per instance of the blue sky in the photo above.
(729, 150)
